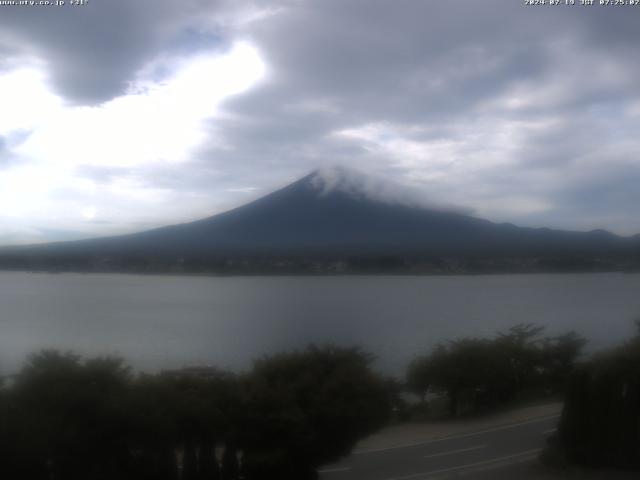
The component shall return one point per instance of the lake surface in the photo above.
(160, 322)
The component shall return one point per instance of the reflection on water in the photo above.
(169, 321)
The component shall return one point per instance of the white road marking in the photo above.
(455, 437)
(334, 470)
(523, 456)
(551, 430)
(452, 452)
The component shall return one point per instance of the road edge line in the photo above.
(456, 436)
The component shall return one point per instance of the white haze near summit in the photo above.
(336, 178)
(121, 116)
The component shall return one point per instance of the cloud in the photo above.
(375, 188)
(92, 52)
(160, 121)
(69, 148)
(494, 111)
(524, 114)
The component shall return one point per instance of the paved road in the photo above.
(468, 453)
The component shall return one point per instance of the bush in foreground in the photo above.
(600, 423)
(477, 373)
(67, 418)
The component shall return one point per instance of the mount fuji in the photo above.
(333, 213)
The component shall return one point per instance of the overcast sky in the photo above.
(122, 115)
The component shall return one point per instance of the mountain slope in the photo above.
(336, 215)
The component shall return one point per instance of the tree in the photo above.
(70, 421)
(185, 412)
(520, 346)
(69, 418)
(419, 377)
(479, 373)
(600, 423)
(472, 373)
(559, 356)
(308, 408)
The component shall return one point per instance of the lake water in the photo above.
(171, 321)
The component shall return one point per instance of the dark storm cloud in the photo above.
(414, 62)
(404, 60)
(439, 71)
(93, 51)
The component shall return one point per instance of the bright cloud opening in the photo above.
(26, 101)
(160, 123)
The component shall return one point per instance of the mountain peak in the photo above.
(337, 178)
(334, 212)
(365, 186)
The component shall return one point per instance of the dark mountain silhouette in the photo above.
(336, 216)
